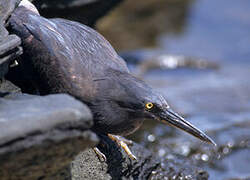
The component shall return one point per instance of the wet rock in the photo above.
(148, 61)
(41, 114)
(118, 165)
(179, 169)
(9, 44)
(9, 50)
(3, 33)
(6, 8)
(140, 24)
(6, 87)
(42, 134)
(84, 11)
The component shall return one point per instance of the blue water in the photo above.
(216, 101)
(217, 30)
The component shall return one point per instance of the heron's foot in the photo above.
(100, 155)
(123, 143)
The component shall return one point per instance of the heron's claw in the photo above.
(100, 155)
(122, 142)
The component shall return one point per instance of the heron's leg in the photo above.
(122, 142)
(100, 155)
(126, 141)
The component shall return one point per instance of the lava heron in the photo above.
(69, 57)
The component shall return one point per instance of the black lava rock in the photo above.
(87, 165)
(9, 44)
(84, 11)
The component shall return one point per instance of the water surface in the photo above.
(215, 100)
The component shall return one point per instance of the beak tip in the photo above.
(213, 143)
(210, 141)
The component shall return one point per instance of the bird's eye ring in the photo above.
(149, 105)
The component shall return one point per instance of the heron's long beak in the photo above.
(171, 118)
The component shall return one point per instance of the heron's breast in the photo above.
(131, 126)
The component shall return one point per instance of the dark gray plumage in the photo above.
(69, 57)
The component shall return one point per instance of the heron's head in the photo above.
(136, 96)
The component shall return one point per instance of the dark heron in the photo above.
(69, 57)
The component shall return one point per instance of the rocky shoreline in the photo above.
(48, 137)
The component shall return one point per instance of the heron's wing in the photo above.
(46, 32)
(92, 47)
(77, 54)
(51, 52)
(84, 45)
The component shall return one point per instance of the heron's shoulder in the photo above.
(69, 41)
(91, 45)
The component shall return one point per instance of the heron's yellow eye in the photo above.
(149, 105)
